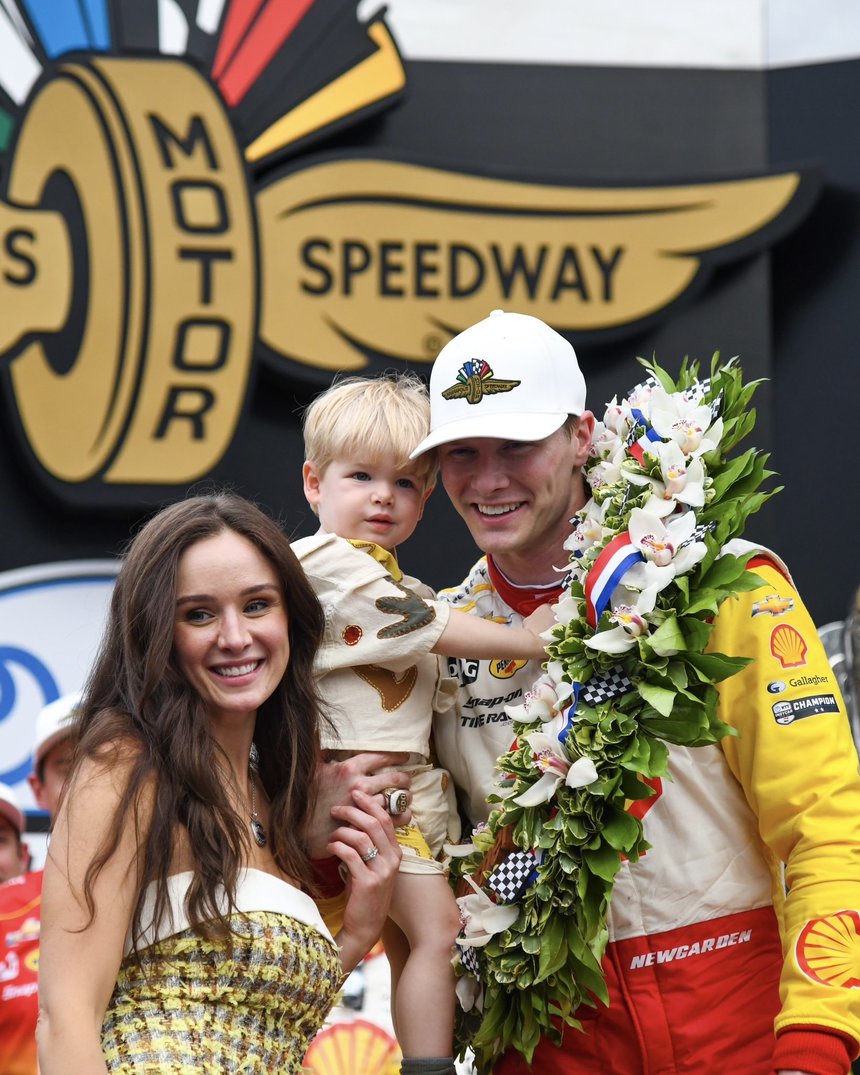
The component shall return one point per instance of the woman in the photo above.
(175, 934)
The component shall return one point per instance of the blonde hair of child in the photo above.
(368, 419)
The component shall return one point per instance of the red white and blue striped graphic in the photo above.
(608, 570)
(638, 448)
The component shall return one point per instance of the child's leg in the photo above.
(424, 908)
(396, 952)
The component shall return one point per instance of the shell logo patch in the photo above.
(788, 645)
(352, 1047)
(828, 950)
(505, 669)
(475, 380)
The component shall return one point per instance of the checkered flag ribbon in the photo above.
(649, 382)
(605, 686)
(512, 876)
(469, 959)
(698, 534)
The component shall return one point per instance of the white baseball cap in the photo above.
(508, 376)
(54, 722)
(10, 808)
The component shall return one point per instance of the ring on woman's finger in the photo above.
(370, 853)
(395, 800)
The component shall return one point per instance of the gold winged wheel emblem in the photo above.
(475, 380)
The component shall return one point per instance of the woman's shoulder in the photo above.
(107, 773)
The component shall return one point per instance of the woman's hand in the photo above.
(370, 773)
(370, 854)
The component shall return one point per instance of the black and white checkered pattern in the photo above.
(469, 959)
(698, 534)
(512, 876)
(607, 685)
(649, 382)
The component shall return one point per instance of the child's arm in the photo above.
(471, 636)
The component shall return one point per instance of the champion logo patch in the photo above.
(798, 708)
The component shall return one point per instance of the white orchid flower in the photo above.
(589, 527)
(605, 442)
(640, 397)
(685, 421)
(606, 472)
(482, 919)
(542, 702)
(551, 759)
(630, 615)
(538, 704)
(681, 481)
(470, 993)
(642, 583)
(617, 418)
(662, 542)
(567, 608)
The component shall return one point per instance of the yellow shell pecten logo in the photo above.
(828, 950)
(150, 250)
(788, 645)
(357, 1048)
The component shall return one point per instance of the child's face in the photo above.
(367, 501)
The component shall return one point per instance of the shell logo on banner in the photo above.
(51, 621)
(356, 1048)
(164, 226)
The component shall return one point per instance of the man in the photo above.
(512, 445)
(20, 899)
(14, 854)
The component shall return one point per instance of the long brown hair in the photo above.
(137, 703)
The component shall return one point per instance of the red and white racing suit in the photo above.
(707, 955)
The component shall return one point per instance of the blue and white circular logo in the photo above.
(51, 622)
(776, 686)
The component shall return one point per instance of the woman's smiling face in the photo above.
(231, 630)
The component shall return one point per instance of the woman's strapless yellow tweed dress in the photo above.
(188, 1007)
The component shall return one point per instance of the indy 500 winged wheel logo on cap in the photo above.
(627, 674)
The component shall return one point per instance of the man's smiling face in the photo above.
(517, 497)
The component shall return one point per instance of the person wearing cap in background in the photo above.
(14, 854)
(509, 420)
(20, 898)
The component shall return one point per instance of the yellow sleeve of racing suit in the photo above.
(796, 761)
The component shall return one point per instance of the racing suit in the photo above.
(707, 955)
(20, 916)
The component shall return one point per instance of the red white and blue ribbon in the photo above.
(606, 572)
(638, 447)
(570, 713)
